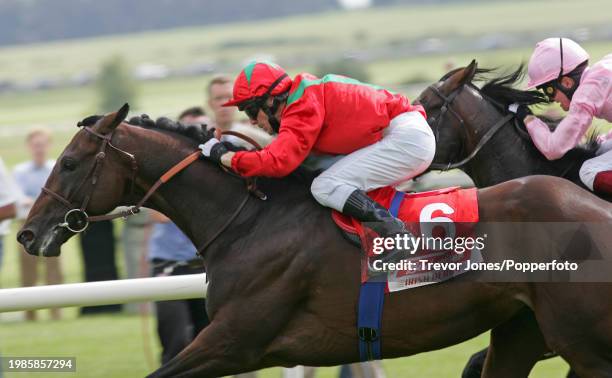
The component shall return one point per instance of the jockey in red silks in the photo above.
(559, 67)
(386, 139)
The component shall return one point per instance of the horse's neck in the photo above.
(202, 198)
(191, 199)
(506, 155)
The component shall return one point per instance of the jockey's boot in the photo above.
(379, 219)
(603, 183)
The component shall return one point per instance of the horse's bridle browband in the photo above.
(447, 107)
(83, 219)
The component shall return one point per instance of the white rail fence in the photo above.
(103, 292)
(111, 292)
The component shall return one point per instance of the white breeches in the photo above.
(405, 150)
(591, 167)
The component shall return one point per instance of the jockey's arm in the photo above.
(587, 102)
(553, 145)
(301, 124)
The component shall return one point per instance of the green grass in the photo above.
(112, 346)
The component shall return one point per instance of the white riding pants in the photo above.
(601, 163)
(405, 150)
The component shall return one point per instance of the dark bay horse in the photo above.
(477, 134)
(283, 280)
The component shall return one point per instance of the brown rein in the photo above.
(169, 174)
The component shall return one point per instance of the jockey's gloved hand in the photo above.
(520, 110)
(213, 149)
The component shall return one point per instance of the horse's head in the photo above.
(464, 117)
(88, 179)
(442, 101)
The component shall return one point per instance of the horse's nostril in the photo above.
(25, 236)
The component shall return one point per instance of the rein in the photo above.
(252, 189)
(446, 107)
(77, 220)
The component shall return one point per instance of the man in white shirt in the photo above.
(30, 176)
(219, 91)
(8, 200)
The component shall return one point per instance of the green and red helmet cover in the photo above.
(254, 81)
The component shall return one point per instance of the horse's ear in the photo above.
(110, 121)
(470, 71)
(462, 76)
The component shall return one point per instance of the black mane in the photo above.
(501, 88)
(197, 133)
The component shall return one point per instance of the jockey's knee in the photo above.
(415, 141)
(587, 174)
(430, 149)
(329, 192)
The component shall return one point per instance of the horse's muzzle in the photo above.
(26, 237)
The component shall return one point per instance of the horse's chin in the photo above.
(51, 245)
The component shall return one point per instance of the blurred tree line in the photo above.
(26, 21)
(23, 21)
(115, 85)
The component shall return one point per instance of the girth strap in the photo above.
(371, 303)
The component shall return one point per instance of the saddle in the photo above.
(432, 214)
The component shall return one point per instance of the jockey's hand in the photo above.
(520, 110)
(213, 149)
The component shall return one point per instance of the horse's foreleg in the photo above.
(215, 352)
(515, 347)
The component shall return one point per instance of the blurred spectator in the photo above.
(370, 369)
(134, 239)
(219, 91)
(8, 208)
(172, 253)
(98, 251)
(194, 116)
(30, 177)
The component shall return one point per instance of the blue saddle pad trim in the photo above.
(398, 197)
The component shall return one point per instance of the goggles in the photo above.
(549, 89)
(251, 109)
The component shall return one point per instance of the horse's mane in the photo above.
(501, 88)
(197, 133)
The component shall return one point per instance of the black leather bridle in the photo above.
(446, 107)
(76, 219)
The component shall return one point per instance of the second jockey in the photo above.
(386, 139)
(559, 67)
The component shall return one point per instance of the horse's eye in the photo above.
(69, 164)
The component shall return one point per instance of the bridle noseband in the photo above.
(446, 107)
